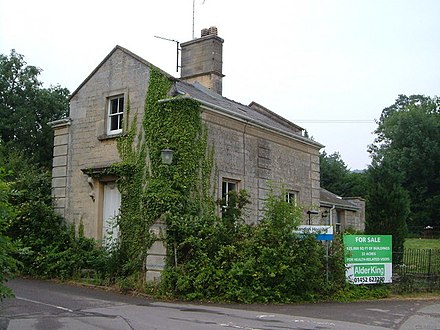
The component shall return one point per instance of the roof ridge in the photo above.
(126, 51)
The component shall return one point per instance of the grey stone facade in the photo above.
(59, 164)
(356, 219)
(254, 157)
(78, 196)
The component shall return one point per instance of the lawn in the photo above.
(422, 256)
(422, 243)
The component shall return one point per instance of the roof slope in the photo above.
(328, 198)
(126, 51)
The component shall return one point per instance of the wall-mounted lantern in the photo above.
(167, 156)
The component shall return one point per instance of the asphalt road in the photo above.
(49, 305)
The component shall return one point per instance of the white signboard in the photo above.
(323, 233)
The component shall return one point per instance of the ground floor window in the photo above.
(292, 197)
(228, 185)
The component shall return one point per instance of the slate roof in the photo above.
(330, 199)
(254, 112)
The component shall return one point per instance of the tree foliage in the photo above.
(34, 234)
(26, 108)
(337, 178)
(8, 264)
(387, 204)
(45, 245)
(408, 138)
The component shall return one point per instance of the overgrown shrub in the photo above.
(224, 259)
(8, 265)
(46, 246)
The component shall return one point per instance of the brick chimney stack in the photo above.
(202, 60)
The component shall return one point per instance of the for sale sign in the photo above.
(368, 258)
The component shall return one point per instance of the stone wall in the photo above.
(59, 164)
(89, 146)
(255, 156)
(356, 219)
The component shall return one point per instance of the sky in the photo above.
(330, 66)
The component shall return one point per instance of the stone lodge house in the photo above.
(252, 144)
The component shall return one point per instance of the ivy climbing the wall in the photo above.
(152, 191)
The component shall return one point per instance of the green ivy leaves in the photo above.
(150, 189)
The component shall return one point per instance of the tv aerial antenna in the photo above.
(177, 50)
(194, 6)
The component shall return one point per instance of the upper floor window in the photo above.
(115, 114)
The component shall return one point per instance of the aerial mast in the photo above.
(194, 6)
(194, 1)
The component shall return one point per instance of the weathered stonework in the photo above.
(59, 164)
(356, 219)
(255, 156)
(202, 61)
(120, 73)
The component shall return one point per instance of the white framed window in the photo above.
(115, 114)
(292, 197)
(228, 185)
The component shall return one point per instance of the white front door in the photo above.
(112, 202)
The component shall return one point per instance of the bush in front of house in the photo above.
(224, 259)
(8, 264)
(45, 246)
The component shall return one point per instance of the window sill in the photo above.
(104, 137)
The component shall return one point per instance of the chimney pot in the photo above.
(204, 32)
(213, 31)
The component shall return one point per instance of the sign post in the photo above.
(322, 233)
(368, 258)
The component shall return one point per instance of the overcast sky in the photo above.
(330, 66)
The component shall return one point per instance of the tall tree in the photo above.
(387, 204)
(334, 173)
(337, 178)
(408, 137)
(26, 108)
